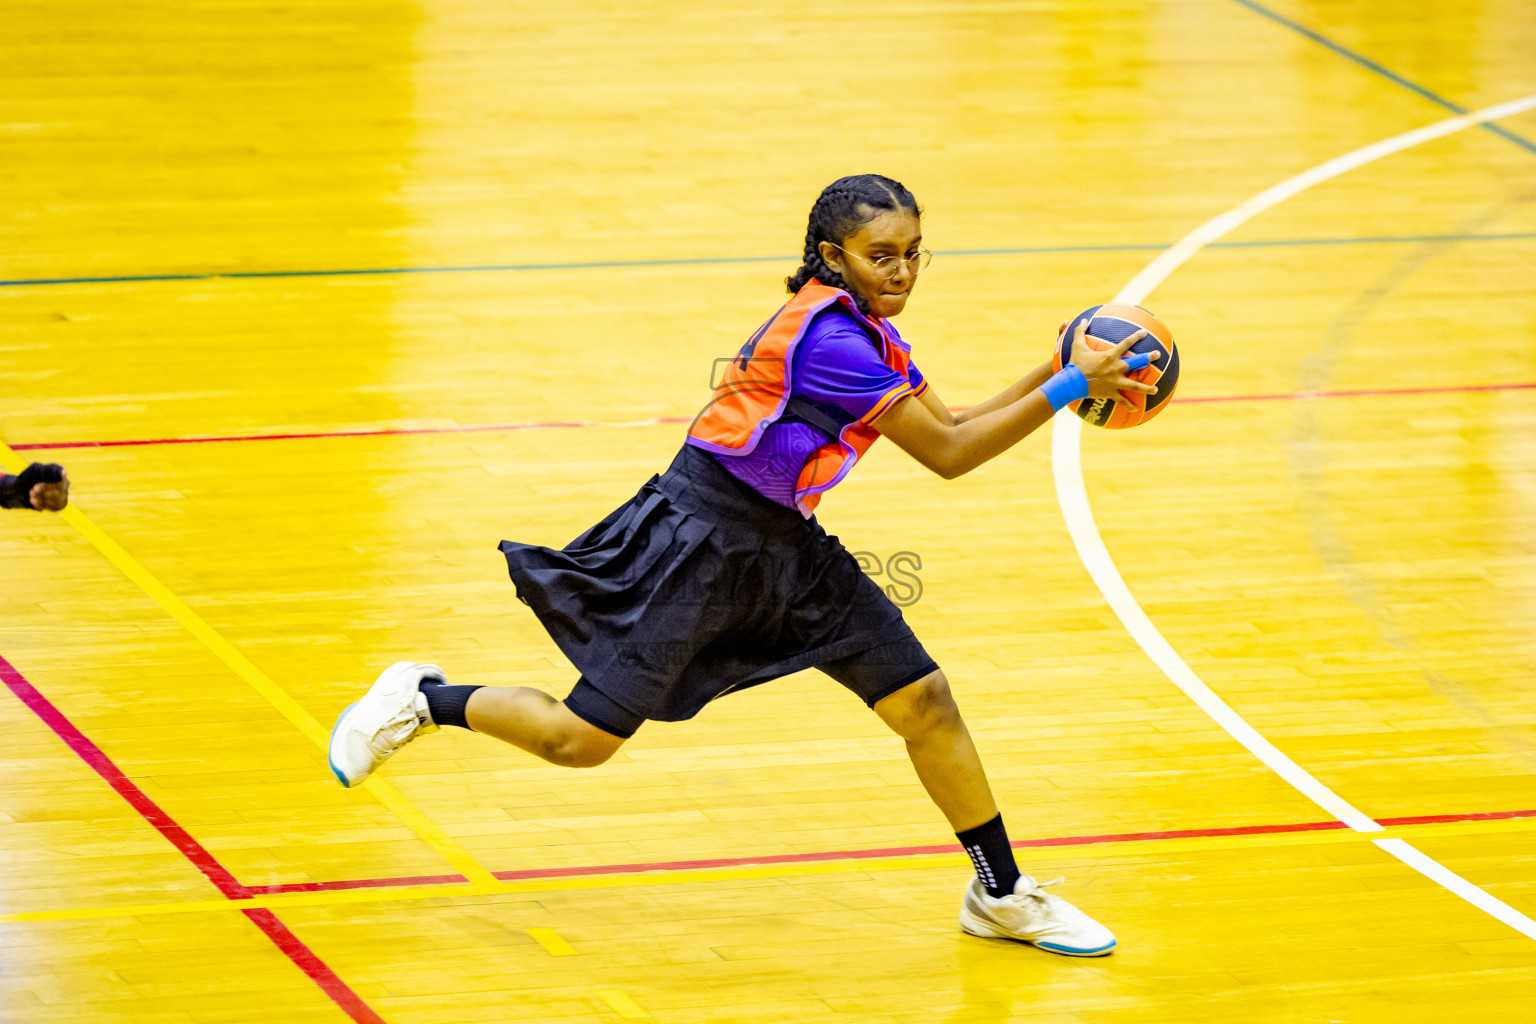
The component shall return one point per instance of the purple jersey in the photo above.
(837, 368)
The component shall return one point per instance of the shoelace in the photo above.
(1049, 904)
(1038, 888)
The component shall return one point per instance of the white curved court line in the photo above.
(1072, 495)
(1479, 898)
(1067, 466)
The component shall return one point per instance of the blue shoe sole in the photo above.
(1072, 951)
(334, 770)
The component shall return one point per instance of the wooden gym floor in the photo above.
(426, 276)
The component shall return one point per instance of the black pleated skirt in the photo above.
(698, 586)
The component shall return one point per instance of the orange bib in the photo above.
(754, 392)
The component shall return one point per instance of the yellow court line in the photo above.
(552, 943)
(1095, 851)
(259, 681)
(625, 1006)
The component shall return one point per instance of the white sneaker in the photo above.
(391, 714)
(1035, 916)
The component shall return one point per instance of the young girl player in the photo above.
(716, 575)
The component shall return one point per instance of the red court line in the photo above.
(572, 425)
(381, 432)
(302, 956)
(1448, 389)
(1438, 819)
(311, 965)
(890, 851)
(818, 856)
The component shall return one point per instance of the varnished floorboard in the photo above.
(1332, 524)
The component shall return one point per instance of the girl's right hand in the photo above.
(1105, 369)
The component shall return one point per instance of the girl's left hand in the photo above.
(1105, 369)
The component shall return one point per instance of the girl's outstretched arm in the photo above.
(955, 448)
(1012, 393)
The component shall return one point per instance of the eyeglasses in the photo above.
(890, 266)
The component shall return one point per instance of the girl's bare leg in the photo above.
(925, 715)
(540, 724)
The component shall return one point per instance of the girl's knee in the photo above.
(585, 746)
(920, 707)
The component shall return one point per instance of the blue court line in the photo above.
(1383, 71)
(707, 261)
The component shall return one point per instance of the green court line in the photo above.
(1383, 71)
(708, 261)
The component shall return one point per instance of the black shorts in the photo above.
(699, 586)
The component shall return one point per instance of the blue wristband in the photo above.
(1065, 387)
(1136, 360)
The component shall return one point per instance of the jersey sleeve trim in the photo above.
(887, 400)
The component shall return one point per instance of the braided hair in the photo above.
(837, 214)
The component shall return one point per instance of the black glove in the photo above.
(16, 491)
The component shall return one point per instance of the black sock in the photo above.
(988, 846)
(446, 703)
